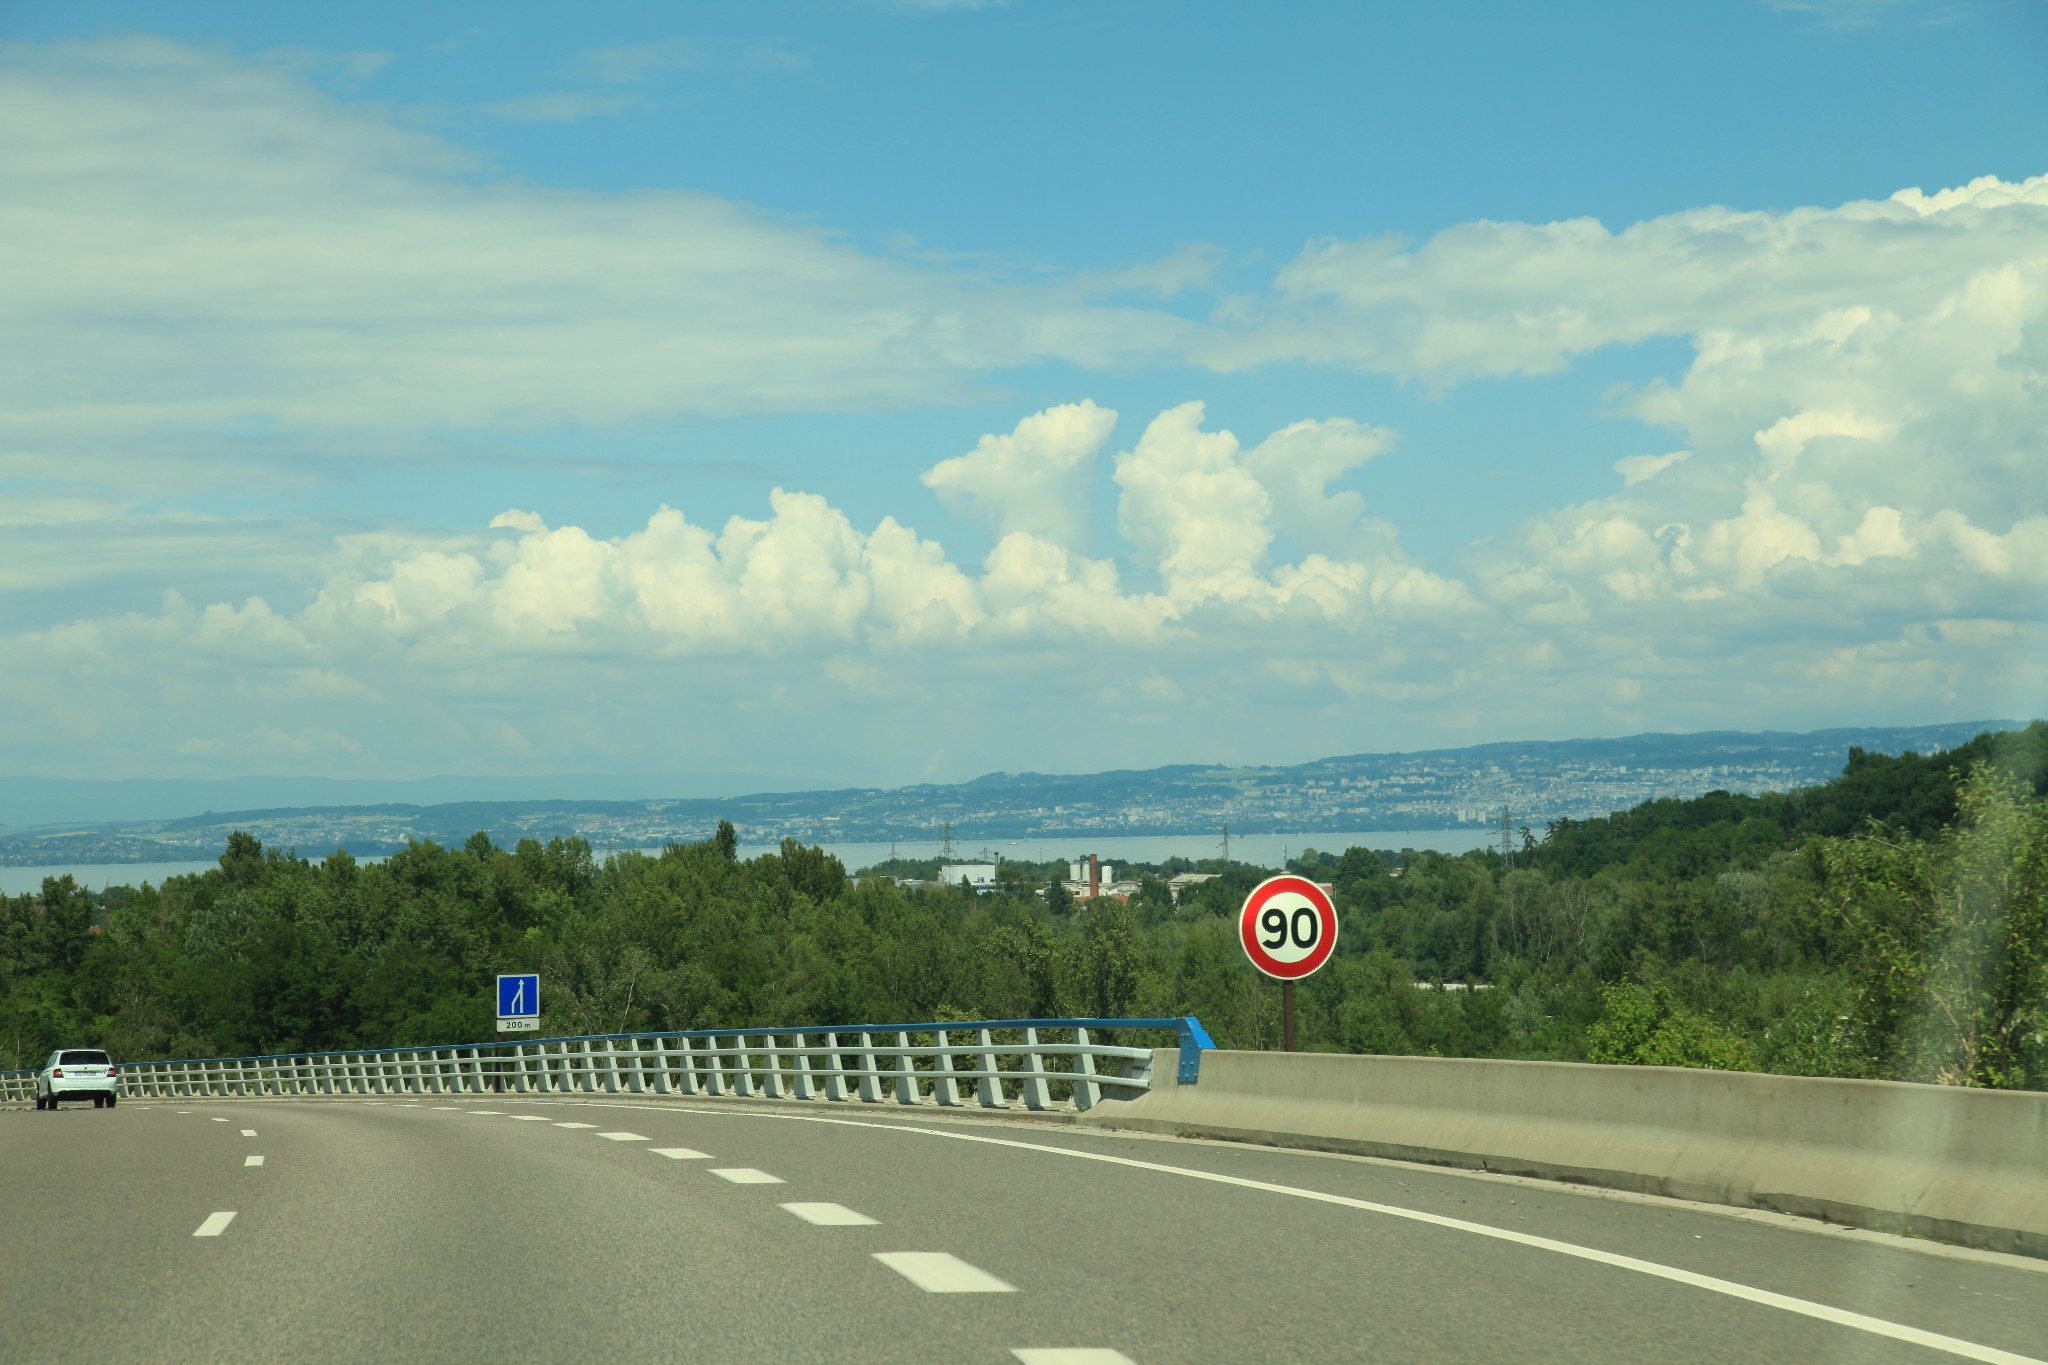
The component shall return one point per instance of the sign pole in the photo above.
(518, 1012)
(1288, 928)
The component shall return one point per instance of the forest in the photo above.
(1891, 923)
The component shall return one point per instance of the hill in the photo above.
(1537, 781)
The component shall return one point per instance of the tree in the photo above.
(1645, 1027)
(1950, 939)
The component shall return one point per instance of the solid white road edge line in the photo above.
(830, 1215)
(1841, 1317)
(939, 1272)
(215, 1225)
(252, 1161)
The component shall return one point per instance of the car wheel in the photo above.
(99, 1101)
(111, 1099)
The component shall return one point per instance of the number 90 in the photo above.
(1276, 927)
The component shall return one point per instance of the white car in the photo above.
(77, 1074)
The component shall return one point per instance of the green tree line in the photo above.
(1892, 923)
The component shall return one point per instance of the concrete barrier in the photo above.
(1963, 1166)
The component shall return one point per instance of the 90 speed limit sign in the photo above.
(1288, 927)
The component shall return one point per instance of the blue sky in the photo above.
(1563, 370)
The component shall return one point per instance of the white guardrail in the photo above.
(1041, 1063)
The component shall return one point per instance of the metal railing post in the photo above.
(1086, 1092)
(835, 1070)
(1036, 1094)
(743, 1068)
(870, 1071)
(664, 1075)
(988, 1087)
(801, 1082)
(906, 1074)
(690, 1082)
(943, 1089)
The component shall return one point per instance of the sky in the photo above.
(862, 393)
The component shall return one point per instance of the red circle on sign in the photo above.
(1288, 927)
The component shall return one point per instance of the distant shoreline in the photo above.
(1257, 849)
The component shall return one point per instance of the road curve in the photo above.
(718, 1231)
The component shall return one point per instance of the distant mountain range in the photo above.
(1535, 781)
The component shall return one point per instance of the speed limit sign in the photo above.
(1288, 926)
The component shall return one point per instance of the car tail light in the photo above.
(57, 1074)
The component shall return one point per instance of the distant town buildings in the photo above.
(980, 877)
(1537, 782)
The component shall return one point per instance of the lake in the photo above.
(1268, 850)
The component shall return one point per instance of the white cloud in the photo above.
(1192, 509)
(1296, 465)
(1037, 479)
(1635, 469)
(218, 241)
(639, 61)
(804, 579)
(1852, 504)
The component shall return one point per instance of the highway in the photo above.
(500, 1229)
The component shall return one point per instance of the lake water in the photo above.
(1267, 850)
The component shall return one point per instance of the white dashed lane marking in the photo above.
(496, 1113)
(252, 1161)
(681, 1153)
(215, 1225)
(831, 1215)
(1071, 1355)
(575, 1125)
(746, 1175)
(623, 1137)
(220, 1120)
(248, 1132)
(448, 1108)
(939, 1272)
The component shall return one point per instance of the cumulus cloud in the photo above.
(1860, 420)
(1037, 479)
(804, 579)
(1851, 504)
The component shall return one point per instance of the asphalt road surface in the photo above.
(510, 1230)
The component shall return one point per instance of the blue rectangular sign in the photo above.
(519, 996)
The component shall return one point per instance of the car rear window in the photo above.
(82, 1059)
